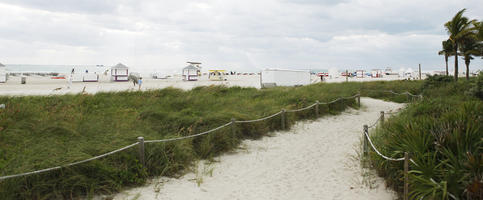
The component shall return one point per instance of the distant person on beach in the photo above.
(140, 82)
(134, 79)
(70, 81)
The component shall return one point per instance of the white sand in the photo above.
(314, 160)
(37, 85)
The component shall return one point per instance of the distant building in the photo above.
(119, 72)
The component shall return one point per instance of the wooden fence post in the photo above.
(366, 131)
(317, 109)
(407, 95)
(282, 119)
(359, 99)
(382, 118)
(141, 150)
(233, 130)
(406, 176)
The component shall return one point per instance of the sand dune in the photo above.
(314, 160)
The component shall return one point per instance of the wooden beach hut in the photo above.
(192, 71)
(119, 72)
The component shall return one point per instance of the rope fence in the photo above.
(367, 141)
(141, 140)
(407, 93)
(70, 164)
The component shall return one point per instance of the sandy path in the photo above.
(314, 160)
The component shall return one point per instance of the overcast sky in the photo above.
(236, 35)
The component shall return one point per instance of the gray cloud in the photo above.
(244, 35)
(83, 6)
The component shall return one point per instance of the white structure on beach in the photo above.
(360, 73)
(119, 72)
(284, 77)
(377, 73)
(192, 71)
(3, 73)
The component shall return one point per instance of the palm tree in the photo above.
(447, 52)
(458, 28)
(479, 37)
(469, 48)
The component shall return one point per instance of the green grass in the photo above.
(38, 132)
(443, 135)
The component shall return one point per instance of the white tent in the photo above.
(119, 72)
(284, 77)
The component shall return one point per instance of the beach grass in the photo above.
(38, 132)
(443, 135)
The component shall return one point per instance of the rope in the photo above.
(68, 165)
(331, 101)
(261, 119)
(165, 140)
(356, 95)
(189, 136)
(379, 153)
(375, 123)
(396, 93)
(302, 109)
(390, 113)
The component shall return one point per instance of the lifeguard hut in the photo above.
(192, 71)
(119, 72)
(217, 75)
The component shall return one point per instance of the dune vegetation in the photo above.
(443, 135)
(38, 132)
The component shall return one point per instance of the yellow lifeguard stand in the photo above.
(217, 75)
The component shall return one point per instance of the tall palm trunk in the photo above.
(446, 59)
(456, 62)
(467, 62)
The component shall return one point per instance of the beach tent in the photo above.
(217, 75)
(284, 77)
(3, 73)
(119, 72)
(190, 73)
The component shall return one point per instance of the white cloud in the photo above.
(241, 35)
